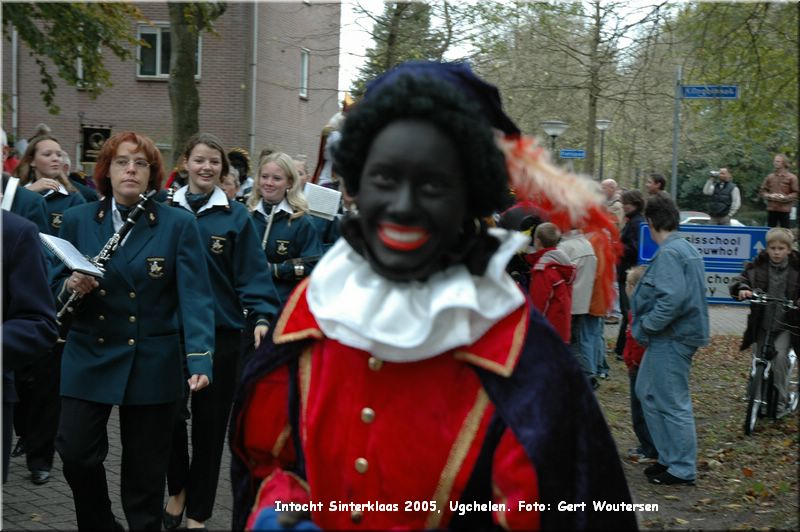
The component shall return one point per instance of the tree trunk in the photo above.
(183, 95)
(594, 91)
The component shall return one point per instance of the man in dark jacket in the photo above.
(725, 197)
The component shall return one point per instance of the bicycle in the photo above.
(762, 396)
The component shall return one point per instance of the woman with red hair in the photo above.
(124, 347)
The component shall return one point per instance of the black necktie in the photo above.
(267, 207)
(196, 201)
(123, 211)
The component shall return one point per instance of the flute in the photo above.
(66, 313)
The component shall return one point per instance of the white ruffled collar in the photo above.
(410, 321)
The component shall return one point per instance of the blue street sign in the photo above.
(718, 244)
(572, 154)
(716, 92)
(717, 280)
(724, 249)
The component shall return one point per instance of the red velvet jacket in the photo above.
(398, 445)
(633, 352)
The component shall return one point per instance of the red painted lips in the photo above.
(402, 237)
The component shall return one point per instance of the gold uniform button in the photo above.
(131, 341)
(367, 415)
(101, 317)
(101, 340)
(362, 465)
(102, 291)
(132, 295)
(132, 319)
(374, 363)
(356, 516)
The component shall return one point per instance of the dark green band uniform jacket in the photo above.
(29, 205)
(57, 204)
(124, 346)
(293, 247)
(235, 261)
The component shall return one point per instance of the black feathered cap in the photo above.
(462, 77)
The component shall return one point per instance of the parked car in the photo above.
(701, 218)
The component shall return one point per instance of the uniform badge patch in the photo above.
(283, 247)
(217, 244)
(155, 267)
(56, 219)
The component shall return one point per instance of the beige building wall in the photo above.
(283, 119)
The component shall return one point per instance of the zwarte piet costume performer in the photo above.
(413, 367)
(124, 346)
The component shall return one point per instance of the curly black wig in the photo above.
(443, 105)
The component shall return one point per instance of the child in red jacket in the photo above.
(632, 354)
(552, 274)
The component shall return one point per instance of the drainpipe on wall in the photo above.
(14, 88)
(253, 72)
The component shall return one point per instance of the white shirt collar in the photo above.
(406, 322)
(282, 206)
(218, 198)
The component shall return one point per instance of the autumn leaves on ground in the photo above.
(743, 482)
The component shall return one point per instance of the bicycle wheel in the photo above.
(754, 392)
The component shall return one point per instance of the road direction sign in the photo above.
(715, 92)
(717, 279)
(572, 154)
(718, 244)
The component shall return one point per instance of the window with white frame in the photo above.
(304, 60)
(154, 58)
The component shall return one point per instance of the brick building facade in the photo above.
(286, 112)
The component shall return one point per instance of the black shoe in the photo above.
(19, 448)
(655, 469)
(669, 480)
(171, 522)
(40, 476)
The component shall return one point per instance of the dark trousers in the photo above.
(8, 423)
(624, 307)
(778, 219)
(211, 408)
(637, 417)
(37, 412)
(82, 443)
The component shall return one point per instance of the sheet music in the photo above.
(322, 201)
(69, 255)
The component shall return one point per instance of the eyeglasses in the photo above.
(122, 163)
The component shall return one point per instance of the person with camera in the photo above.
(725, 197)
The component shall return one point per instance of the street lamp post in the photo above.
(602, 124)
(554, 129)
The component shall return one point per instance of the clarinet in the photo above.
(66, 314)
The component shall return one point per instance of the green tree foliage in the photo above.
(401, 33)
(754, 46)
(65, 33)
(187, 21)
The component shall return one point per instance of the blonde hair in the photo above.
(780, 234)
(634, 276)
(548, 234)
(294, 194)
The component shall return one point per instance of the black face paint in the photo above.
(412, 200)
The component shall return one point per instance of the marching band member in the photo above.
(288, 237)
(410, 366)
(239, 282)
(124, 346)
(40, 171)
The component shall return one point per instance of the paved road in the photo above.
(49, 507)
